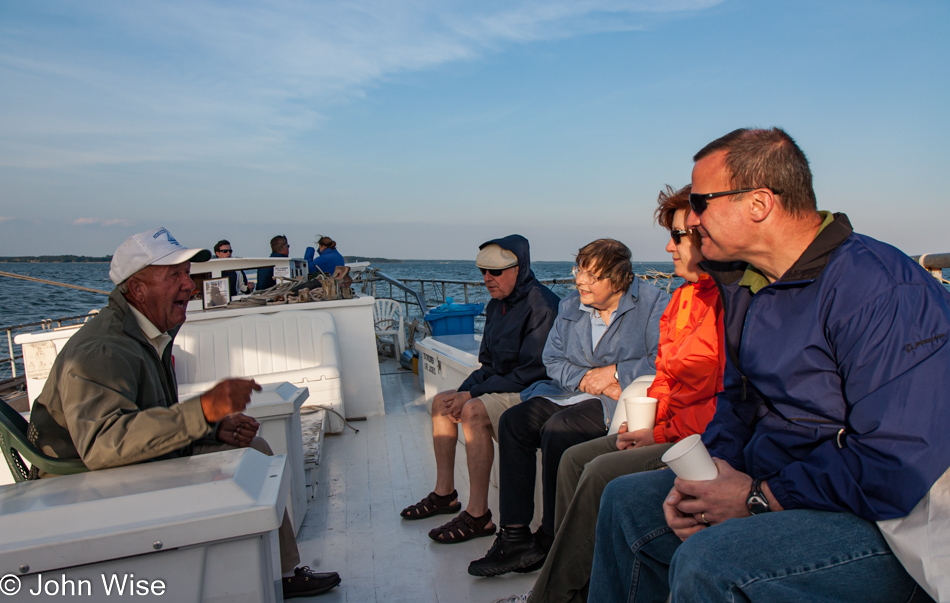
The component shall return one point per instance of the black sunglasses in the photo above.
(678, 235)
(492, 271)
(698, 202)
(225, 250)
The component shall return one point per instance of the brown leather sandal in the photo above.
(463, 527)
(433, 504)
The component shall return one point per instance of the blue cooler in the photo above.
(453, 319)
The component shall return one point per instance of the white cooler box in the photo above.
(277, 408)
(445, 361)
(204, 526)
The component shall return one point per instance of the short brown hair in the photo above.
(608, 258)
(278, 243)
(669, 202)
(770, 159)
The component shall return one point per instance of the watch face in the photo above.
(757, 503)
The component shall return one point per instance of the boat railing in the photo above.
(934, 263)
(8, 365)
(418, 295)
(374, 276)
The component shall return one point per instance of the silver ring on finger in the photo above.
(703, 516)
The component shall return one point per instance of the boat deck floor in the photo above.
(353, 525)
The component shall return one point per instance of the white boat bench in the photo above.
(445, 361)
(171, 530)
(296, 346)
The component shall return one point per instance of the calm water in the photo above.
(23, 302)
(466, 271)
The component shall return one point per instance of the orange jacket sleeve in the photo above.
(690, 364)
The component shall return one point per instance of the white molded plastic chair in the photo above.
(636, 389)
(388, 322)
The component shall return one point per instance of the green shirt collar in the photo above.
(755, 280)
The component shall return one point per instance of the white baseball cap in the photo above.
(151, 248)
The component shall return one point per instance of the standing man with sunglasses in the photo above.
(834, 412)
(237, 280)
(517, 321)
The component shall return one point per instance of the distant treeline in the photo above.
(57, 259)
(359, 258)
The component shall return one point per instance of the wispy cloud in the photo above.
(101, 222)
(194, 79)
(5, 219)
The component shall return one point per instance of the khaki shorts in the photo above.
(497, 403)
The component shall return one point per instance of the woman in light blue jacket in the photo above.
(606, 335)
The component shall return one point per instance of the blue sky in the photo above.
(419, 129)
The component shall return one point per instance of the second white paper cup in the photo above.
(690, 460)
(641, 413)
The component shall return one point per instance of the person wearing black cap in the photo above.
(517, 321)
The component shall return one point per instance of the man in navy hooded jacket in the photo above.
(834, 413)
(517, 321)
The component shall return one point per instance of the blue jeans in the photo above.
(796, 555)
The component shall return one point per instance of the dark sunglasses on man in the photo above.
(698, 202)
(492, 271)
(222, 250)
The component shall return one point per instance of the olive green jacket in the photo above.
(111, 401)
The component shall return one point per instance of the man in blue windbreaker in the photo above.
(835, 411)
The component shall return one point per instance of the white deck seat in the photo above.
(446, 361)
(295, 346)
(388, 322)
(186, 522)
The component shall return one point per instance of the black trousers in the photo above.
(540, 423)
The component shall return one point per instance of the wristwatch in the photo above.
(756, 502)
(617, 376)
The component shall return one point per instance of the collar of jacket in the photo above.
(806, 268)
(628, 301)
(705, 282)
(520, 291)
(130, 326)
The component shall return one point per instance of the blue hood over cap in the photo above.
(519, 246)
(516, 328)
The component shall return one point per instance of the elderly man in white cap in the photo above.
(111, 398)
(517, 321)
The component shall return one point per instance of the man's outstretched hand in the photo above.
(237, 430)
(226, 398)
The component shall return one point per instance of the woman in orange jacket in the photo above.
(689, 367)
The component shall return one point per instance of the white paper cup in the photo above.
(690, 460)
(641, 413)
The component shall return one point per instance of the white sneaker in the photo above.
(515, 598)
